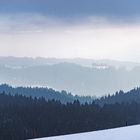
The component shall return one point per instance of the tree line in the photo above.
(24, 117)
(47, 93)
(65, 97)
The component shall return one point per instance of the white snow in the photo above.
(123, 133)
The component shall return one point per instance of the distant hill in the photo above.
(65, 97)
(120, 97)
(47, 93)
(18, 62)
(78, 76)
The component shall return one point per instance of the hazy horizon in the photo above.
(67, 58)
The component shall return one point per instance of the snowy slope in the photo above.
(124, 133)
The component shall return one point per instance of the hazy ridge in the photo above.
(79, 76)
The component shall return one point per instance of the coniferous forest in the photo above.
(24, 117)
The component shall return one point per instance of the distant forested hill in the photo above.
(65, 97)
(47, 93)
(121, 97)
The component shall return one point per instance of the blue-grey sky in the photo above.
(95, 29)
(71, 8)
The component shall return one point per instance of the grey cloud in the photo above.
(73, 8)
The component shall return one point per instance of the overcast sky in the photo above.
(95, 29)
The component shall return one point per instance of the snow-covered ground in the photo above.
(124, 133)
